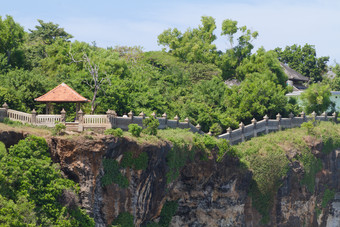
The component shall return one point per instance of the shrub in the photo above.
(112, 174)
(317, 98)
(118, 132)
(151, 124)
(137, 163)
(135, 129)
(327, 197)
(216, 129)
(7, 121)
(124, 219)
(309, 126)
(58, 129)
(223, 148)
(168, 211)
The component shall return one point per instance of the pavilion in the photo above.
(62, 94)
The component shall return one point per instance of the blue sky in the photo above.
(138, 23)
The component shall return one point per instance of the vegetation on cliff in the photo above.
(33, 191)
(270, 157)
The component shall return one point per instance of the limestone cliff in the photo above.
(208, 193)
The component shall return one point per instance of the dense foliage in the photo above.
(269, 161)
(304, 60)
(186, 80)
(32, 190)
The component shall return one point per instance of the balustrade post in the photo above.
(80, 120)
(229, 130)
(187, 121)
(34, 117)
(63, 116)
(131, 116)
(303, 115)
(242, 131)
(254, 122)
(313, 116)
(335, 116)
(278, 118)
(198, 127)
(291, 116)
(165, 117)
(5, 106)
(324, 116)
(114, 119)
(142, 114)
(266, 118)
(153, 115)
(176, 118)
(108, 119)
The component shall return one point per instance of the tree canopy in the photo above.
(304, 60)
(31, 188)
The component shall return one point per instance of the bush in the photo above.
(135, 129)
(223, 148)
(168, 211)
(124, 219)
(7, 121)
(151, 125)
(58, 129)
(112, 174)
(327, 197)
(118, 132)
(137, 163)
(309, 126)
(216, 129)
(317, 98)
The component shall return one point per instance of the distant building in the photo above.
(295, 79)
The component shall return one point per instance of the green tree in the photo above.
(232, 58)
(317, 98)
(11, 37)
(31, 188)
(49, 32)
(195, 45)
(304, 60)
(262, 62)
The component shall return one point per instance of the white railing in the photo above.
(95, 119)
(19, 116)
(48, 120)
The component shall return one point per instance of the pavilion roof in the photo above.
(62, 93)
(292, 74)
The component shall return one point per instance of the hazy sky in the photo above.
(139, 22)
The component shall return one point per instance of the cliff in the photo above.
(207, 192)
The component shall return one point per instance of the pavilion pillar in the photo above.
(77, 110)
(48, 108)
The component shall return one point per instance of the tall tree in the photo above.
(304, 60)
(195, 45)
(234, 55)
(11, 36)
(49, 32)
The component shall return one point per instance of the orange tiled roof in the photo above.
(62, 93)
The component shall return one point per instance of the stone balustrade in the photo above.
(267, 125)
(112, 120)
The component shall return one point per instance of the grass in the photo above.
(267, 158)
(30, 129)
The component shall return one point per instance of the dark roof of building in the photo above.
(292, 74)
(62, 93)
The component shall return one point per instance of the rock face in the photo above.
(209, 193)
